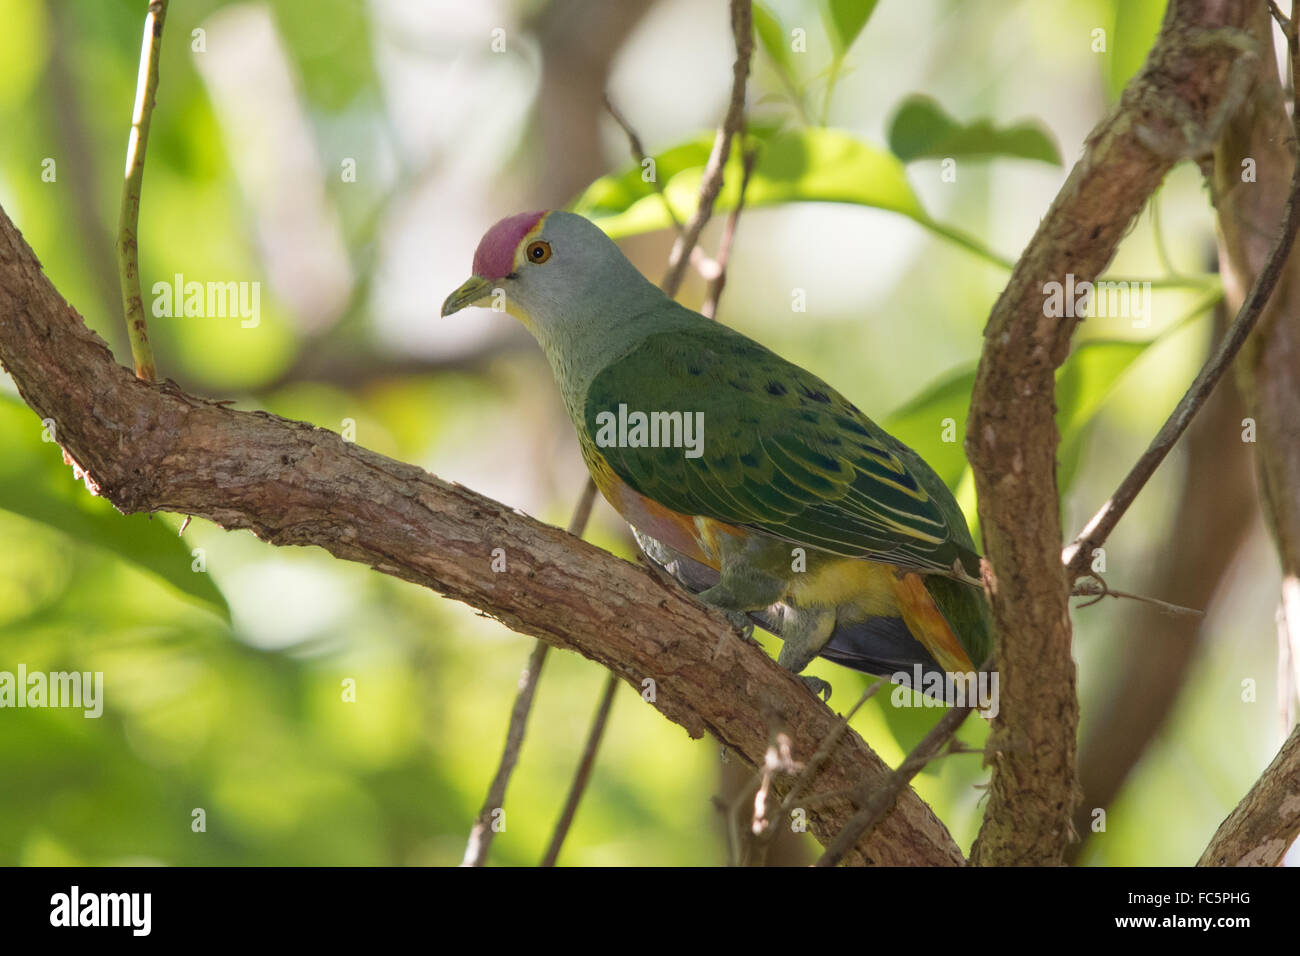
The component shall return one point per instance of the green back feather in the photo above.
(783, 452)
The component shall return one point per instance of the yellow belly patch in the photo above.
(865, 586)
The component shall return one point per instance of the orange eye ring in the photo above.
(538, 251)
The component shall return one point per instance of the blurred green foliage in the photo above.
(226, 686)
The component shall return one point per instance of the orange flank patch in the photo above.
(928, 625)
(694, 537)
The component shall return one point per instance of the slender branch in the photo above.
(827, 747)
(128, 251)
(485, 824)
(639, 156)
(710, 307)
(481, 833)
(764, 829)
(1078, 554)
(779, 760)
(742, 29)
(883, 797)
(1096, 588)
(585, 765)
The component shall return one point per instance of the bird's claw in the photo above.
(819, 687)
(740, 621)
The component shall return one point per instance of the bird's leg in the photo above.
(744, 585)
(741, 593)
(751, 580)
(805, 633)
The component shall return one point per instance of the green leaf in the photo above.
(919, 423)
(36, 484)
(922, 130)
(1083, 384)
(772, 38)
(804, 165)
(845, 20)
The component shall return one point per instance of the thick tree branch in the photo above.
(154, 448)
(1169, 111)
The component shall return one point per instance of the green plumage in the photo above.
(783, 452)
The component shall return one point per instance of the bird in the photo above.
(753, 483)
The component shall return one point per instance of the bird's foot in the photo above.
(741, 622)
(818, 686)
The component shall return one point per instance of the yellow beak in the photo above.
(474, 290)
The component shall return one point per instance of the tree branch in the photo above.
(1011, 439)
(155, 448)
(128, 251)
(480, 834)
(1155, 652)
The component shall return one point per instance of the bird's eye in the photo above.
(538, 251)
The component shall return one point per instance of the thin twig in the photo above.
(778, 759)
(882, 799)
(480, 835)
(584, 771)
(1077, 554)
(763, 829)
(128, 252)
(482, 832)
(742, 28)
(824, 750)
(1095, 588)
(639, 156)
(710, 307)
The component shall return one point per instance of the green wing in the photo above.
(783, 453)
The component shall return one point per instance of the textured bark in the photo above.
(153, 448)
(1011, 436)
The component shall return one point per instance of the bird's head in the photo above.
(547, 267)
